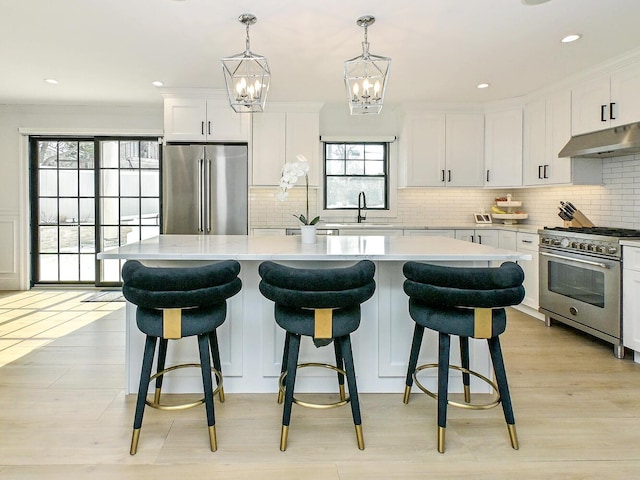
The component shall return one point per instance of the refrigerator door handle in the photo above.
(207, 195)
(200, 194)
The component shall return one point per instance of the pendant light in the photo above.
(365, 76)
(246, 76)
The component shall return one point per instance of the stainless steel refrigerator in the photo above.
(204, 189)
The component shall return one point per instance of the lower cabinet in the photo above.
(528, 243)
(484, 237)
(507, 240)
(631, 299)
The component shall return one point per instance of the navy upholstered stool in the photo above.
(467, 302)
(174, 303)
(323, 304)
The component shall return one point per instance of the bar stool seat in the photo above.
(468, 303)
(323, 304)
(173, 303)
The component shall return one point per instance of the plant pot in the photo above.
(308, 234)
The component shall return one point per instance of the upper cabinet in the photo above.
(203, 117)
(503, 148)
(278, 136)
(440, 150)
(547, 128)
(606, 101)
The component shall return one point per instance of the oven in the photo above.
(583, 291)
(581, 279)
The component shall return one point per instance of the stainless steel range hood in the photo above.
(613, 142)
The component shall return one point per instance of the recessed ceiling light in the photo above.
(52, 81)
(571, 38)
(157, 83)
(483, 85)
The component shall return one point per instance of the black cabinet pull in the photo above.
(602, 107)
(209, 127)
(544, 170)
(202, 128)
(540, 172)
(487, 175)
(449, 173)
(443, 175)
(611, 117)
(479, 239)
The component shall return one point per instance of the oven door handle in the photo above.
(562, 257)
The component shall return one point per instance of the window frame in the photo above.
(385, 175)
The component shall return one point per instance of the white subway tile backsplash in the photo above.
(616, 203)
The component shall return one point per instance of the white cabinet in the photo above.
(503, 148)
(277, 138)
(547, 129)
(430, 233)
(484, 237)
(438, 149)
(631, 299)
(528, 243)
(606, 101)
(203, 119)
(507, 240)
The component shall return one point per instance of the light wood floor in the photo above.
(63, 413)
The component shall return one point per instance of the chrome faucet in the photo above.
(362, 205)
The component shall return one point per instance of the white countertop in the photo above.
(397, 226)
(349, 247)
(630, 243)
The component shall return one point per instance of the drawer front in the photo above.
(631, 258)
(527, 241)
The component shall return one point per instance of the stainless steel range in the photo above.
(581, 279)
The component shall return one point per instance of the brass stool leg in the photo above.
(407, 394)
(441, 431)
(513, 436)
(213, 441)
(360, 437)
(134, 441)
(284, 434)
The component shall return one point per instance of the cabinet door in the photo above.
(268, 148)
(425, 151)
(590, 106)
(558, 107)
(487, 237)
(303, 137)
(503, 148)
(465, 149)
(528, 243)
(625, 93)
(224, 124)
(465, 235)
(535, 141)
(184, 119)
(507, 240)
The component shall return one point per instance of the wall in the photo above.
(16, 123)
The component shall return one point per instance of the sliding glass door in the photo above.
(87, 195)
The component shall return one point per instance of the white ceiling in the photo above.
(109, 51)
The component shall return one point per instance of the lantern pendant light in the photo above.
(366, 76)
(246, 76)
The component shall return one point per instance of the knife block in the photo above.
(572, 223)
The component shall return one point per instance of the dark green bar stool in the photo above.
(469, 303)
(173, 303)
(323, 304)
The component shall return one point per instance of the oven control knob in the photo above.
(564, 242)
(584, 246)
(555, 241)
(601, 249)
(612, 250)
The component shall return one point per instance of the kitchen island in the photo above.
(250, 341)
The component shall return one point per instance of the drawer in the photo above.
(631, 258)
(527, 241)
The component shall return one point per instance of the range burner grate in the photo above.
(604, 231)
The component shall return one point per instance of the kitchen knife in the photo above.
(568, 206)
(563, 215)
(567, 212)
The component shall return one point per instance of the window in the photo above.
(351, 168)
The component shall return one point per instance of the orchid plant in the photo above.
(291, 172)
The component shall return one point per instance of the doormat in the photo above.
(106, 296)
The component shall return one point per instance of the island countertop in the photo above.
(327, 248)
